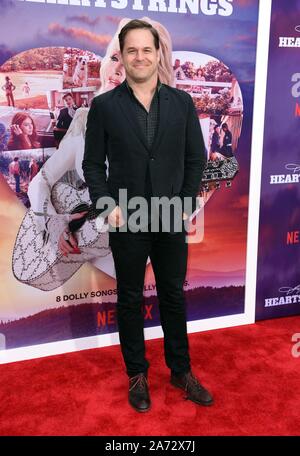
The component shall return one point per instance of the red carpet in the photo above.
(250, 370)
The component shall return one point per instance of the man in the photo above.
(65, 117)
(9, 88)
(151, 135)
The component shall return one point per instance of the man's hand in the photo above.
(184, 216)
(115, 218)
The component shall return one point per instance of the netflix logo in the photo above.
(293, 237)
(108, 317)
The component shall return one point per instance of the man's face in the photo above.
(140, 57)
(69, 101)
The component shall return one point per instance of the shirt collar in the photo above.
(158, 87)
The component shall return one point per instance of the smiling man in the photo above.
(151, 136)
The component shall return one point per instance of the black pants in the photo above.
(168, 254)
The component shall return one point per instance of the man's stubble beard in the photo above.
(135, 78)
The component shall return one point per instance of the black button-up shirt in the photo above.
(147, 122)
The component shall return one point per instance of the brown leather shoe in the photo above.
(138, 394)
(194, 390)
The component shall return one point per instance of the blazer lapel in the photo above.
(163, 117)
(128, 111)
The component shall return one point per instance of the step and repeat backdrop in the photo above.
(55, 56)
(278, 279)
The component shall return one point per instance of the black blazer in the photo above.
(64, 119)
(176, 159)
